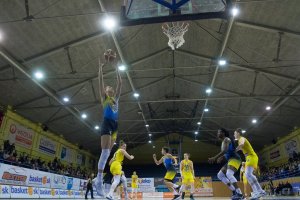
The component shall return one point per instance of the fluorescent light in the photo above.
(199, 123)
(66, 99)
(136, 95)
(97, 127)
(83, 116)
(122, 67)
(149, 141)
(208, 90)
(147, 125)
(243, 131)
(235, 11)
(254, 121)
(39, 75)
(196, 132)
(206, 110)
(109, 23)
(268, 108)
(222, 62)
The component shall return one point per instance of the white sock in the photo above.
(124, 182)
(182, 188)
(102, 161)
(252, 179)
(225, 180)
(175, 186)
(114, 184)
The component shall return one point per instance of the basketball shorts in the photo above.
(251, 161)
(170, 175)
(188, 178)
(116, 168)
(109, 127)
(234, 163)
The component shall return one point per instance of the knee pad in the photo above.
(230, 176)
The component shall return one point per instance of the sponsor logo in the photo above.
(45, 192)
(19, 190)
(14, 176)
(70, 183)
(60, 179)
(144, 180)
(4, 190)
(37, 179)
(63, 192)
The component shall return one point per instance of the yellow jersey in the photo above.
(118, 156)
(134, 179)
(187, 167)
(247, 148)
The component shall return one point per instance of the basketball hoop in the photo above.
(175, 32)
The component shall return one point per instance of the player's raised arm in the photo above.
(157, 162)
(130, 157)
(101, 82)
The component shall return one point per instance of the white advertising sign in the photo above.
(19, 134)
(13, 175)
(4, 191)
(47, 145)
(48, 193)
(78, 194)
(19, 192)
(58, 181)
(38, 178)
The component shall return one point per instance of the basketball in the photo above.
(110, 55)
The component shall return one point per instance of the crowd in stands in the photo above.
(280, 189)
(9, 155)
(292, 168)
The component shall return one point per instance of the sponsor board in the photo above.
(76, 184)
(59, 181)
(66, 154)
(40, 179)
(4, 191)
(49, 193)
(19, 134)
(47, 145)
(203, 186)
(153, 195)
(78, 194)
(24, 192)
(66, 194)
(144, 184)
(13, 175)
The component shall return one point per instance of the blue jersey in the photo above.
(110, 108)
(231, 152)
(169, 164)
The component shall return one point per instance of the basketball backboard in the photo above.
(136, 12)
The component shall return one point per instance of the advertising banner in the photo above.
(144, 184)
(24, 192)
(12, 175)
(49, 193)
(203, 186)
(79, 159)
(58, 181)
(78, 194)
(47, 145)
(39, 179)
(291, 147)
(19, 134)
(4, 191)
(66, 154)
(275, 154)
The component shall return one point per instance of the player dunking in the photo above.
(250, 165)
(226, 174)
(167, 159)
(109, 100)
(187, 175)
(116, 170)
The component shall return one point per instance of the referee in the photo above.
(89, 186)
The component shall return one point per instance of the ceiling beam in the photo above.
(23, 69)
(241, 66)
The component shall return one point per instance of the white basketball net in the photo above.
(175, 32)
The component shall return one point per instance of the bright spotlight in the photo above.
(196, 140)
(199, 123)
(268, 108)
(235, 11)
(196, 132)
(66, 99)
(122, 67)
(149, 141)
(109, 23)
(222, 62)
(243, 131)
(150, 134)
(83, 116)
(136, 95)
(208, 90)
(39, 75)
(254, 121)
(147, 125)
(206, 110)
(97, 127)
